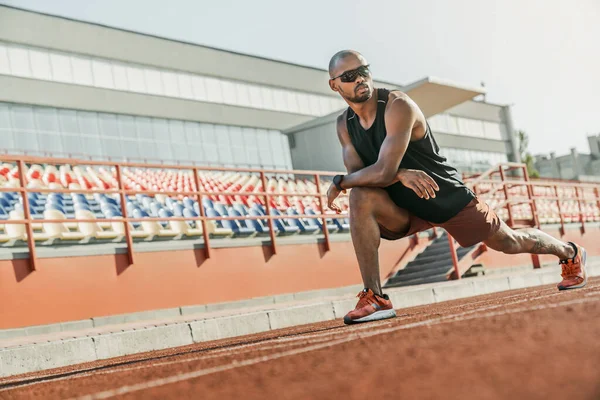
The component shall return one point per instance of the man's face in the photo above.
(352, 80)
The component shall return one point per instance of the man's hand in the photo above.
(421, 183)
(332, 194)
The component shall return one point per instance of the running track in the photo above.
(534, 343)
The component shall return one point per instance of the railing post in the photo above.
(506, 195)
(128, 237)
(560, 215)
(597, 194)
(531, 196)
(199, 195)
(322, 210)
(454, 256)
(27, 215)
(268, 209)
(581, 211)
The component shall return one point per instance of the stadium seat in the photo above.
(259, 225)
(92, 229)
(57, 230)
(178, 209)
(317, 221)
(238, 226)
(304, 227)
(221, 228)
(283, 224)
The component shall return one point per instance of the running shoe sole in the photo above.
(376, 316)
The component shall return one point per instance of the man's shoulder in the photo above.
(341, 121)
(401, 104)
(399, 100)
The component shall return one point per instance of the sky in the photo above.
(540, 56)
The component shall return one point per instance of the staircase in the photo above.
(432, 265)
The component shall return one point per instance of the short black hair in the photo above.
(340, 55)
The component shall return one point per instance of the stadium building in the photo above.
(77, 89)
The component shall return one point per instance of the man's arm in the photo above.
(400, 119)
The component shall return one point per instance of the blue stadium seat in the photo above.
(282, 225)
(234, 225)
(220, 208)
(240, 208)
(207, 203)
(107, 206)
(164, 213)
(33, 195)
(341, 224)
(178, 210)
(131, 206)
(155, 207)
(211, 212)
(10, 196)
(82, 206)
(170, 203)
(106, 199)
(112, 213)
(259, 208)
(245, 227)
(304, 227)
(53, 198)
(5, 203)
(55, 206)
(139, 213)
(259, 224)
(188, 203)
(190, 214)
(146, 201)
(312, 221)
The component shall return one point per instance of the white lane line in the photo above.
(319, 335)
(352, 336)
(117, 369)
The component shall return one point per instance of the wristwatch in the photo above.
(337, 180)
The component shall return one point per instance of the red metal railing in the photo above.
(28, 220)
(500, 179)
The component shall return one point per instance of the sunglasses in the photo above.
(350, 76)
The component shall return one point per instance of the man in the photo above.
(401, 185)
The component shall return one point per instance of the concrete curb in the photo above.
(44, 355)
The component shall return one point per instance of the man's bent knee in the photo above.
(361, 196)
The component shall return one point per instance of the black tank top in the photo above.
(423, 155)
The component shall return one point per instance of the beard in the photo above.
(361, 98)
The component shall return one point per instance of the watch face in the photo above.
(336, 180)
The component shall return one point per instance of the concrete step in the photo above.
(440, 277)
(420, 273)
(411, 267)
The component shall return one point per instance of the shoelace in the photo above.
(568, 269)
(363, 299)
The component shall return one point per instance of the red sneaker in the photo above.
(573, 270)
(370, 307)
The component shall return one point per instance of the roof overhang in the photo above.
(435, 95)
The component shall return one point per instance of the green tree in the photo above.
(526, 156)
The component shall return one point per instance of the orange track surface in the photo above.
(534, 343)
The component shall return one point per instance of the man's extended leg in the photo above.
(533, 241)
(369, 208)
